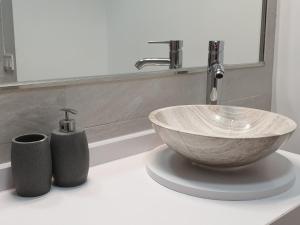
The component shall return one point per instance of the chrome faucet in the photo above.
(215, 70)
(175, 56)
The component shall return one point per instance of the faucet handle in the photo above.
(159, 42)
(174, 44)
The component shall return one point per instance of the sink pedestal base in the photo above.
(265, 178)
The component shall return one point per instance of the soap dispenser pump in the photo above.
(70, 152)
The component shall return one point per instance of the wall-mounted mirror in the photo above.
(60, 39)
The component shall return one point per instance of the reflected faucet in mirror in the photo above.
(215, 70)
(175, 56)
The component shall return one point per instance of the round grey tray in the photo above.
(265, 178)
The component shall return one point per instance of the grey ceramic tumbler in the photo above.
(31, 165)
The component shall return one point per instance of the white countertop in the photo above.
(121, 192)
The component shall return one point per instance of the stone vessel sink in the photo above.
(218, 136)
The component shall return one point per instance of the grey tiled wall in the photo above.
(105, 109)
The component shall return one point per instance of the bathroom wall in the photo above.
(114, 107)
(286, 81)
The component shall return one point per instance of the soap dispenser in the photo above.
(70, 152)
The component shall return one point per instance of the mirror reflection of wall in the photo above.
(74, 38)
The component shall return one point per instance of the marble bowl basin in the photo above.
(219, 136)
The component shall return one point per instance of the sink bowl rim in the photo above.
(156, 122)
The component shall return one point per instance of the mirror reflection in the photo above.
(73, 38)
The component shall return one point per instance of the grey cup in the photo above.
(31, 165)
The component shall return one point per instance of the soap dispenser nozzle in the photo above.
(67, 125)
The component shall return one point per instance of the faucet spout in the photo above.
(152, 62)
(215, 70)
(218, 71)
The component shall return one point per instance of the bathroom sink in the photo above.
(217, 136)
